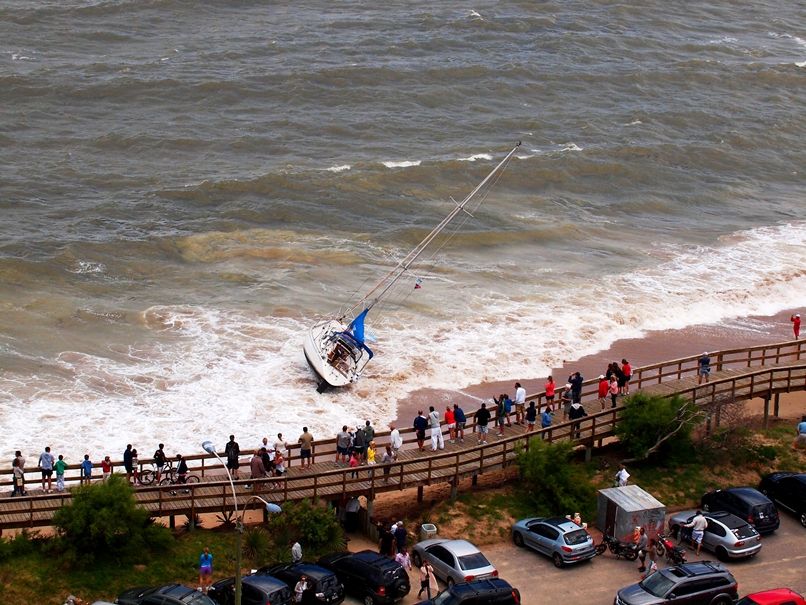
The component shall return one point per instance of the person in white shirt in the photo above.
(296, 552)
(520, 404)
(395, 439)
(437, 440)
(621, 476)
(697, 525)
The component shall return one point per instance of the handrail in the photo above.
(650, 374)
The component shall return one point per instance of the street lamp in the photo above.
(209, 447)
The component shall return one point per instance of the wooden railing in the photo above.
(673, 370)
(412, 471)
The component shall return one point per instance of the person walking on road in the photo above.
(427, 580)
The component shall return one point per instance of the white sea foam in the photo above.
(341, 168)
(81, 267)
(402, 164)
(477, 156)
(202, 373)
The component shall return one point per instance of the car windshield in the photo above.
(658, 584)
(474, 561)
(200, 599)
(746, 601)
(578, 536)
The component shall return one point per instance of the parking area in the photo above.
(781, 563)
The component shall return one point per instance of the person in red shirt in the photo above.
(795, 319)
(550, 386)
(604, 390)
(627, 371)
(450, 420)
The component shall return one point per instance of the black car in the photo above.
(701, 583)
(493, 591)
(255, 590)
(324, 587)
(787, 490)
(747, 503)
(171, 594)
(369, 576)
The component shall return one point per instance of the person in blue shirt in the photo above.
(205, 570)
(86, 470)
(460, 419)
(802, 426)
(545, 419)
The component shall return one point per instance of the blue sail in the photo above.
(356, 326)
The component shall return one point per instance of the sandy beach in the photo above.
(655, 347)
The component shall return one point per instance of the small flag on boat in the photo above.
(418, 284)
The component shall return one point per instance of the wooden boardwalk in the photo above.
(740, 374)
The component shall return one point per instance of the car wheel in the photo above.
(517, 539)
(660, 549)
(416, 559)
(368, 600)
(803, 518)
(450, 582)
(722, 600)
(721, 553)
(558, 560)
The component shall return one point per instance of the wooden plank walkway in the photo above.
(740, 374)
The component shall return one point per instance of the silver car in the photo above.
(454, 561)
(727, 536)
(556, 537)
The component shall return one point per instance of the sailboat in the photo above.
(336, 348)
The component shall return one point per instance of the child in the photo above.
(279, 463)
(106, 468)
(354, 462)
(86, 470)
(60, 467)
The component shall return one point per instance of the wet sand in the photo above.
(655, 347)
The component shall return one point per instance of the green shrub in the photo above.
(256, 544)
(316, 527)
(104, 521)
(654, 426)
(551, 483)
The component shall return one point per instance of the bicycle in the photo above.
(147, 476)
(171, 478)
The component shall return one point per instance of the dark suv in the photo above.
(702, 583)
(747, 503)
(787, 490)
(324, 587)
(492, 591)
(369, 576)
(255, 590)
(170, 594)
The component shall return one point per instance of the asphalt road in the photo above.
(781, 563)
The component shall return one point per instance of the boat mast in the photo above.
(389, 280)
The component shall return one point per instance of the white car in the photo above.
(454, 561)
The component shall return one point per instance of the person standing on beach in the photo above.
(604, 391)
(520, 404)
(550, 387)
(46, 461)
(626, 369)
(232, 451)
(461, 419)
(420, 424)
(437, 441)
(703, 368)
(531, 417)
(305, 448)
(127, 462)
(795, 319)
(482, 418)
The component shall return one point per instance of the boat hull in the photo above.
(318, 346)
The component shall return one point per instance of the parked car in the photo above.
(701, 583)
(255, 590)
(324, 586)
(454, 561)
(787, 490)
(492, 591)
(779, 596)
(747, 503)
(369, 576)
(170, 594)
(727, 536)
(556, 537)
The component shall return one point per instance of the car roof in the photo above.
(489, 584)
(774, 596)
(265, 582)
(696, 568)
(309, 569)
(367, 556)
(751, 494)
(563, 524)
(459, 547)
(729, 520)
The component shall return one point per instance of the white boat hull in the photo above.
(318, 348)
